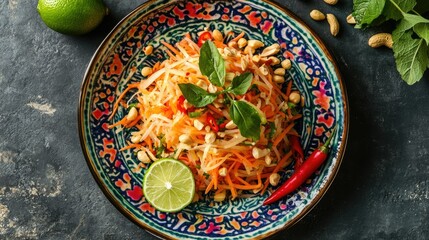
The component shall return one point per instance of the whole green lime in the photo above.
(73, 17)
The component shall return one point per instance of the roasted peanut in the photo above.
(334, 26)
(280, 71)
(271, 50)
(256, 58)
(132, 114)
(223, 171)
(274, 179)
(264, 70)
(381, 39)
(185, 138)
(146, 71)
(350, 19)
(331, 2)
(217, 35)
(143, 157)
(242, 42)
(294, 97)
(255, 44)
(317, 15)
(279, 79)
(220, 196)
(244, 62)
(286, 64)
(274, 60)
(198, 125)
(148, 50)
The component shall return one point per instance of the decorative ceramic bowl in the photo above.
(117, 63)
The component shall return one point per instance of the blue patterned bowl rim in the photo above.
(126, 212)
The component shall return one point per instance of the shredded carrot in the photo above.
(214, 109)
(164, 121)
(289, 88)
(123, 121)
(130, 146)
(121, 96)
(169, 46)
(282, 134)
(238, 37)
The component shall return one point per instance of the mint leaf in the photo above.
(366, 11)
(411, 55)
(391, 10)
(212, 64)
(422, 30)
(419, 24)
(241, 83)
(196, 95)
(409, 21)
(247, 119)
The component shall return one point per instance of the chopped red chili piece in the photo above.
(181, 104)
(212, 122)
(204, 37)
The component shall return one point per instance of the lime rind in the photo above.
(182, 182)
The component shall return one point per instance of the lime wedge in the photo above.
(169, 185)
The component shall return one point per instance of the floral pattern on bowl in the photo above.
(118, 62)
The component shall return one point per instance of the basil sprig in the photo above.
(196, 95)
(241, 83)
(212, 65)
(246, 118)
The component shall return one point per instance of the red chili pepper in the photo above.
(181, 104)
(204, 37)
(297, 148)
(313, 162)
(223, 125)
(212, 122)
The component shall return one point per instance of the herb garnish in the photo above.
(212, 65)
(411, 36)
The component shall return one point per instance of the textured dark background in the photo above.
(47, 191)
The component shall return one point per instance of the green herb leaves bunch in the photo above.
(243, 114)
(410, 37)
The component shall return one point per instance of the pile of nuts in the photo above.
(377, 40)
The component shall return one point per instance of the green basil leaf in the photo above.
(410, 55)
(247, 119)
(196, 95)
(212, 64)
(391, 10)
(241, 83)
(366, 11)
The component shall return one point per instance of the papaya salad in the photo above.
(221, 105)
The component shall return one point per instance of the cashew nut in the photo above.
(350, 19)
(381, 39)
(334, 26)
(331, 2)
(317, 15)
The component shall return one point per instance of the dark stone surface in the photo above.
(47, 191)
